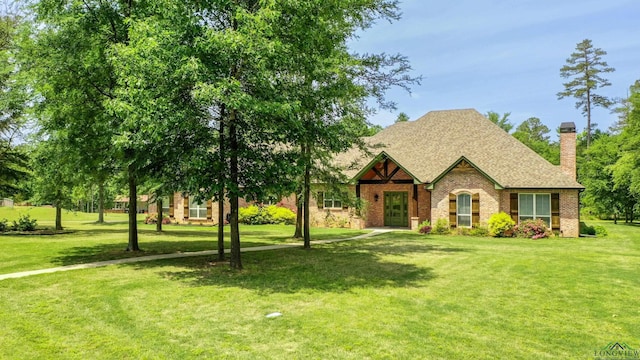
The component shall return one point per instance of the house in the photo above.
(455, 165)
(121, 205)
(458, 165)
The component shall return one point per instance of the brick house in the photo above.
(458, 165)
(453, 164)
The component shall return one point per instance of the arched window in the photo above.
(463, 211)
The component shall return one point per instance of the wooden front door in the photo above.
(396, 211)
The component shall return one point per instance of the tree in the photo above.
(402, 117)
(13, 97)
(533, 133)
(602, 195)
(626, 170)
(584, 68)
(53, 175)
(502, 121)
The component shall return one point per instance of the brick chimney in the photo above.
(568, 149)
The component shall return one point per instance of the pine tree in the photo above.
(584, 68)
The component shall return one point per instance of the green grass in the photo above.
(90, 242)
(394, 296)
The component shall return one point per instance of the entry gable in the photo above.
(463, 164)
(384, 169)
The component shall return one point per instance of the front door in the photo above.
(395, 209)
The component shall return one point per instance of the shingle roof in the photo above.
(427, 147)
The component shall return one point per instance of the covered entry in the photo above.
(396, 210)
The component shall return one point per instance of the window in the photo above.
(463, 210)
(197, 210)
(535, 206)
(332, 201)
(165, 206)
(270, 201)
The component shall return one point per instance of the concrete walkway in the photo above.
(177, 255)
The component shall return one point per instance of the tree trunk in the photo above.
(615, 217)
(100, 202)
(221, 217)
(307, 196)
(299, 215)
(58, 216)
(588, 117)
(133, 212)
(235, 262)
(160, 215)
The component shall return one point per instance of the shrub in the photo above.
(586, 229)
(441, 227)
(24, 223)
(501, 225)
(596, 230)
(4, 226)
(250, 215)
(479, 231)
(600, 230)
(153, 219)
(424, 227)
(280, 215)
(532, 229)
(272, 214)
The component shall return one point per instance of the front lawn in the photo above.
(393, 296)
(89, 242)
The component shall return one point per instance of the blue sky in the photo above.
(505, 55)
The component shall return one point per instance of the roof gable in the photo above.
(427, 147)
(463, 163)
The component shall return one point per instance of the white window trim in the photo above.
(333, 200)
(535, 215)
(199, 208)
(470, 214)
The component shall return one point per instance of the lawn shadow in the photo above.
(339, 267)
(114, 251)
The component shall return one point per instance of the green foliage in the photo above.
(532, 229)
(502, 121)
(441, 227)
(4, 225)
(594, 230)
(425, 227)
(272, 214)
(402, 117)
(533, 133)
(479, 231)
(24, 223)
(501, 225)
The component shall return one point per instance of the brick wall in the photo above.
(465, 180)
(569, 208)
(568, 153)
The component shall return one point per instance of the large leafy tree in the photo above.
(53, 174)
(533, 133)
(602, 194)
(626, 170)
(13, 97)
(332, 85)
(584, 69)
